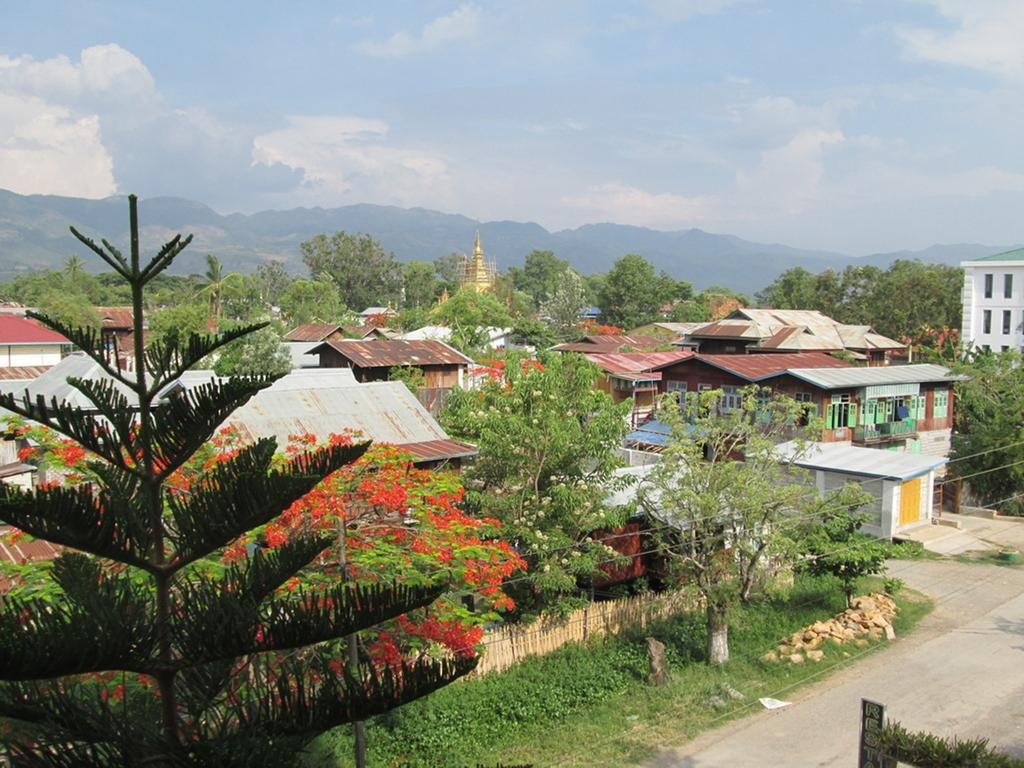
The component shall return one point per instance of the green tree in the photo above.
(567, 300)
(447, 269)
(410, 375)
(834, 546)
(217, 284)
(258, 353)
(469, 314)
(313, 301)
(73, 308)
(989, 417)
(548, 441)
(540, 276)
(271, 280)
(180, 320)
(366, 275)
(150, 650)
(632, 293)
(710, 503)
(421, 285)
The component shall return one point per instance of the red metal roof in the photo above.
(22, 372)
(24, 330)
(385, 353)
(635, 362)
(311, 332)
(725, 330)
(757, 367)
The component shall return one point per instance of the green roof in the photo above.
(1014, 255)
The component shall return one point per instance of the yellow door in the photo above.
(910, 502)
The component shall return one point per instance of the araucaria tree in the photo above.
(153, 650)
(728, 507)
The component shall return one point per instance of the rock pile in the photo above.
(868, 618)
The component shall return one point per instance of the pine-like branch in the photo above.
(185, 421)
(103, 522)
(100, 622)
(112, 256)
(241, 494)
(168, 358)
(88, 340)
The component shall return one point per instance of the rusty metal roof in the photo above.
(25, 550)
(636, 362)
(311, 332)
(23, 372)
(612, 343)
(724, 329)
(380, 353)
(759, 367)
(117, 317)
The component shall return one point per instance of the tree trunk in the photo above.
(718, 634)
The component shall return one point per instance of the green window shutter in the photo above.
(830, 417)
(851, 420)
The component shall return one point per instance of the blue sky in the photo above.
(853, 125)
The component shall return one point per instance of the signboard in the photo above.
(872, 719)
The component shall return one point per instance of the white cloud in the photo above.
(623, 204)
(348, 159)
(461, 24)
(987, 36)
(788, 178)
(51, 137)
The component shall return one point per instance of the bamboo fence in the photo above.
(507, 646)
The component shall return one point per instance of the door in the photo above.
(910, 501)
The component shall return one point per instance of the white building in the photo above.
(993, 299)
(26, 343)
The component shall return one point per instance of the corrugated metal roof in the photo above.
(634, 362)
(53, 382)
(380, 353)
(311, 332)
(612, 343)
(795, 329)
(23, 330)
(23, 372)
(851, 377)
(727, 330)
(1017, 254)
(26, 550)
(764, 366)
(117, 317)
(867, 462)
(384, 411)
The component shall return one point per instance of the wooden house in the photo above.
(443, 366)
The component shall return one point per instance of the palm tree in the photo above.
(217, 286)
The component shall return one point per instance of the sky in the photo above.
(850, 125)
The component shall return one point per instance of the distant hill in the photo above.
(34, 235)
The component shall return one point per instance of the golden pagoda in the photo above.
(476, 273)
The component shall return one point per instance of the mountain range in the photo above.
(34, 235)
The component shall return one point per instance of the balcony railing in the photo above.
(886, 432)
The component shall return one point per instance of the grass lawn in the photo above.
(590, 705)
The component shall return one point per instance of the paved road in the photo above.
(961, 671)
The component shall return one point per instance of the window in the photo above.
(1006, 322)
(704, 387)
(731, 400)
(1006, 347)
(940, 404)
(804, 397)
(673, 385)
(840, 413)
(1007, 286)
(986, 321)
(988, 286)
(986, 347)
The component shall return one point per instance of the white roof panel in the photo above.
(844, 378)
(854, 460)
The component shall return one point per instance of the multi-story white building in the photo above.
(993, 299)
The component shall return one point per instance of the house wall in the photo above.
(975, 304)
(14, 355)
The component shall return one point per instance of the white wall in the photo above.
(15, 355)
(975, 304)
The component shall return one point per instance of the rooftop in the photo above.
(1017, 254)
(635, 362)
(765, 366)
(23, 330)
(380, 353)
(869, 462)
(311, 332)
(870, 377)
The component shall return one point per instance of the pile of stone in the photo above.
(868, 618)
